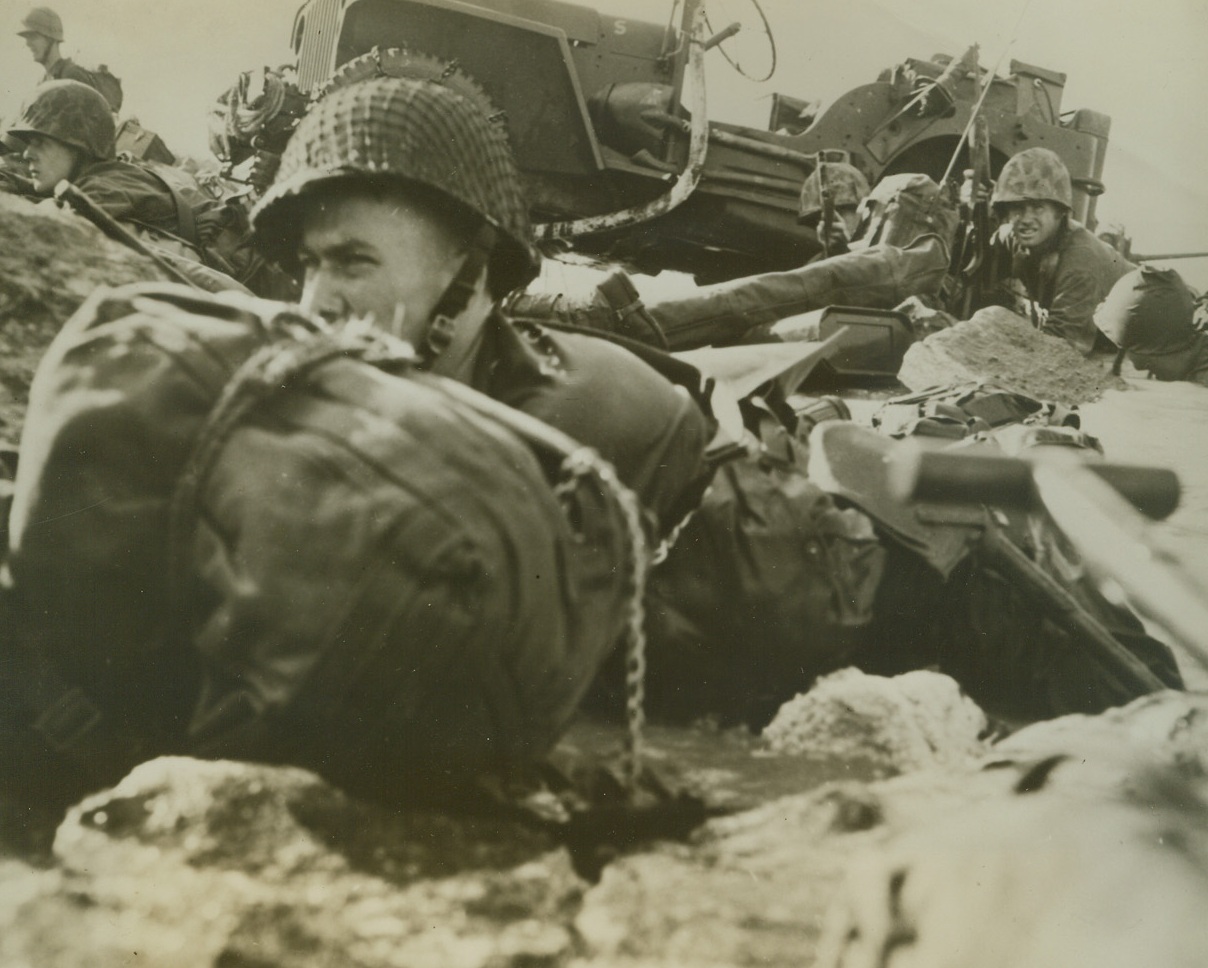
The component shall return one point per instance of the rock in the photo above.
(908, 722)
(755, 889)
(1037, 880)
(50, 260)
(740, 897)
(999, 346)
(1084, 842)
(189, 863)
(1167, 729)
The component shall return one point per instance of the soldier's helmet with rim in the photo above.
(1150, 310)
(1034, 175)
(44, 21)
(415, 132)
(70, 112)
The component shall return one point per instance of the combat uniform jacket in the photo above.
(1068, 277)
(143, 202)
(130, 194)
(65, 69)
(100, 80)
(603, 396)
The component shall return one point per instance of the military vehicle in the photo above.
(607, 118)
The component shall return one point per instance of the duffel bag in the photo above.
(242, 534)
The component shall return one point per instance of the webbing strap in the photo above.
(622, 297)
(457, 295)
(186, 222)
(72, 723)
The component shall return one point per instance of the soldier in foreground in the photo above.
(383, 588)
(1065, 270)
(399, 202)
(365, 571)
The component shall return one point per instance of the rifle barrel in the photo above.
(1169, 255)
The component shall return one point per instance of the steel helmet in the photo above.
(1034, 175)
(70, 112)
(421, 133)
(846, 183)
(44, 21)
(1150, 310)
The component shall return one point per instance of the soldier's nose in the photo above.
(321, 298)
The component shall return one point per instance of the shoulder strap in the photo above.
(186, 221)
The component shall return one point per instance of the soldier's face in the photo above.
(369, 256)
(50, 161)
(1033, 223)
(38, 45)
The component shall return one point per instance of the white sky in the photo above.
(1144, 64)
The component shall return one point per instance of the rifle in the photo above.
(81, 204)
(828, 209)
(1105, 512)
(971, 260)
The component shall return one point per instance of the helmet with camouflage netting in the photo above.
(44, 21)
(70, 112)
(1150, 310)
(1034, 175)
(418, 133)
(848, 187)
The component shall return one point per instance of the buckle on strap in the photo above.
(67, 721)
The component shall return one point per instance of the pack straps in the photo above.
(186, 221)
(457, 295)
(281, 365)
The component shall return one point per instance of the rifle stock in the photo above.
(972, 262)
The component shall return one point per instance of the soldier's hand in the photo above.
(973, 193)
(836, 240)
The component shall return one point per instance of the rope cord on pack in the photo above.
(279, 365)
(457, 295)
(585, 462)
(579, 462)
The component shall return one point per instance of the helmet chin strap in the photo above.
(457, 296)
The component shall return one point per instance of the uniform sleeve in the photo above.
(129, 196)
(605, 397)
(1071, 316)
(651, 431)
